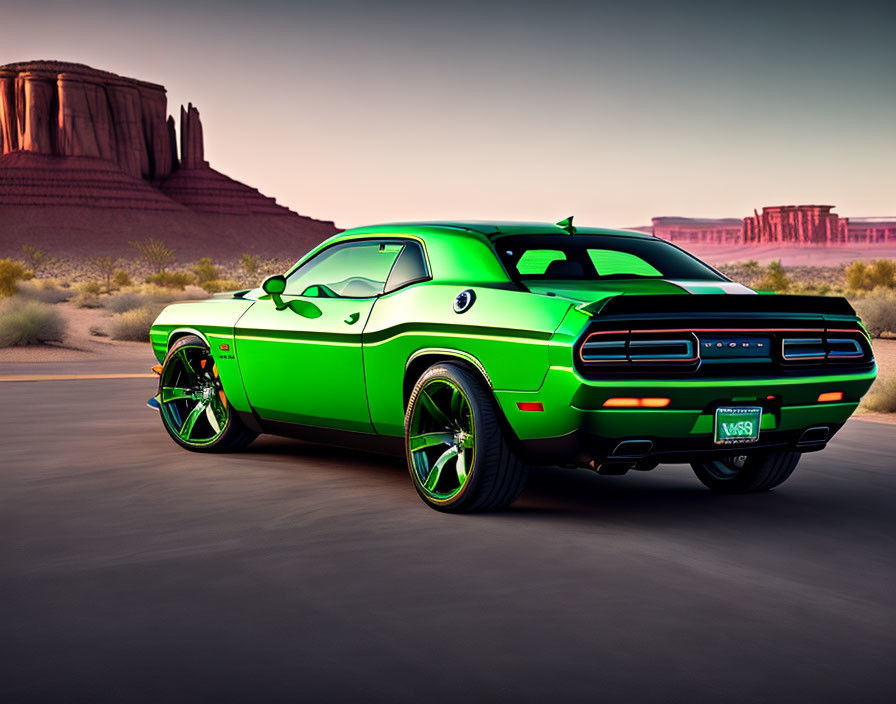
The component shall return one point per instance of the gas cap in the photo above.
(464, 301)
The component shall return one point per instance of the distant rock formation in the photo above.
(796, 224)
(778, 225)
(63, 109)
(77, 143)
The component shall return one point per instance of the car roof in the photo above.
(492, 229)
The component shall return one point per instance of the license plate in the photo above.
(737, 425)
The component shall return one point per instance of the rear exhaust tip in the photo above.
(817, 435)
(632, 448)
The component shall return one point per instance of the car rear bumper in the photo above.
(575, 427)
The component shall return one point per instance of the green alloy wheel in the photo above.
(456, 450)
(194, 409)
(740, 474)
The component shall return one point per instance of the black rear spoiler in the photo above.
(739, 305)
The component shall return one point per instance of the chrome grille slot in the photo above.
(659, 350)
(802, 349)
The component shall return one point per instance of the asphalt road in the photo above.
(133, 571)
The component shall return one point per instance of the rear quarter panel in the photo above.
(507, 331)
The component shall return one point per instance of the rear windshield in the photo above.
(598, 257)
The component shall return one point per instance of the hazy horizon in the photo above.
(616, 112)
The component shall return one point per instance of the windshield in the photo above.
(598, 258)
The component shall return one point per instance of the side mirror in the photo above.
(275, 284)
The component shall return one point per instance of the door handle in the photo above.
(352, 319)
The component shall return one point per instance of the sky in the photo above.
(615, 112)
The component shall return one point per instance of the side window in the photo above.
(410, 267)
(350, 270)
(535, 262)
(609, 262)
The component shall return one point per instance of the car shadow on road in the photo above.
(669, 495)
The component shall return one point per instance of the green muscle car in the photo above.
(477, 349)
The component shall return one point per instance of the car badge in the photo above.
(464, 301)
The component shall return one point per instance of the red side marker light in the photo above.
(157, 369)
(830, 396)
(224, 348)
(530, 405)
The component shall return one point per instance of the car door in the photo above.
(303, 364)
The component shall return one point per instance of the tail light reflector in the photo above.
(829, 396)
(628, 402)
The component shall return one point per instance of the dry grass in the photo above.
(882, 396)
(877, 311)
(142, 296)
(28, 322)
(43, 291)
(133, 325)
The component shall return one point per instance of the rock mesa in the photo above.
(89, 160)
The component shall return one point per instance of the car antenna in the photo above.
(567, 225)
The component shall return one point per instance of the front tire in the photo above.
(194, 409)
(741, 474)
(456, 449)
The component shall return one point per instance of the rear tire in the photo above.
(457, 451)
(194, 408)
(741, 474)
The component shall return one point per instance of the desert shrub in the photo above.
(219, 285)
(90, 288)
(89, 295)
(133, 325)
(36, 259)
(140, 297)
(205, 270)
(105, 267)
(882, 396)
(155, 253)
(866, 277)
(250, 264)
(877, 311)
(775, 278)
(43, 290)
(87, 300)
(121, 279)
(11, 273)
(27, 322)
(125, 301)
(170, 279)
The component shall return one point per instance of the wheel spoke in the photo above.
(182, 356)
(461, 468)
(187, 428)
(421, 442)
(434, 410)
(175, 393)
(433, 478)
(469, 442)
(456, 402)
(212, 420)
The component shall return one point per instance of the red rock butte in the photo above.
(89, 162)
